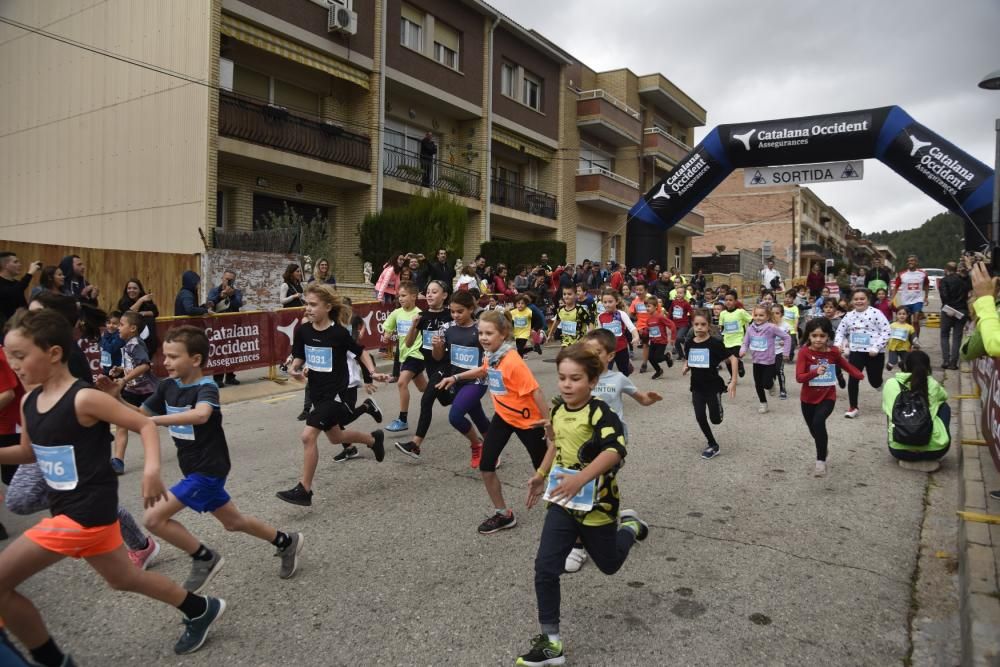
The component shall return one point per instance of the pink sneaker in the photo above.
(477, 454)
(143, 557)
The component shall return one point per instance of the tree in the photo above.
(937, 241)
(314, 238)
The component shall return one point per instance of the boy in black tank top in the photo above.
(66, 429)
(188, 404)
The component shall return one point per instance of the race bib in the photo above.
(654, 332)
(614, 326)
(520, 322)
(901, 334)
(427, 339)
(58, 466)
(567, 328)
(583, 501)
(790, 314)
(758, 343)
(640, 308)
(465, 357)
(403, 327)
(914, 287)
(827, 379)
(319, 359)
(860, 340)
(105, 358)
(698, 357)
(677, 313)
(731, 327)
(494, 380)
(600, 308)
(180, 431)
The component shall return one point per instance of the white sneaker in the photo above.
(853, 413)
(762, 409)
(916, 343)
(820, 470)
(575, 560)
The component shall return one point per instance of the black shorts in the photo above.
(327, 414)
(133, 398)
(7, 470)
(415, 366)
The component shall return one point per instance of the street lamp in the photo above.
(992, 82)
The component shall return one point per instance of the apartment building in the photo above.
(231, 112)
(789, 222)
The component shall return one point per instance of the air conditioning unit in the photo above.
(341, 19)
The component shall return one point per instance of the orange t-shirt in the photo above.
(638, 310)
(512, 387)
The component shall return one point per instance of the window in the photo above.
(678, 257)
(445, 56)
(411, 35)
(252, 84)
(274, 91)
(507, 79)
(531, 92)
(591, 159)
(446, 41)
(292, 97)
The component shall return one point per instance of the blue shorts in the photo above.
(201, 492)
(917, 307)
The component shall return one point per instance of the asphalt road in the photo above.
(750, 560)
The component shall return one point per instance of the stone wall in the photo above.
(258, 274)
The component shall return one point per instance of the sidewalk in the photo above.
(978, 543)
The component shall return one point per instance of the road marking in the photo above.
(978, 443)
(976, 517)
(275, 399)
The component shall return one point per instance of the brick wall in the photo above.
(258, 274)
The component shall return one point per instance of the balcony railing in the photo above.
(410, 167)
(656, 139)
(603, 95)
(277, 127)
(817, 249)
(522, 198)
(601, 171)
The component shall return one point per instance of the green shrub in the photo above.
(519, 253)
(423, 225)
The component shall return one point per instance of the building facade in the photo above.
(229, 113)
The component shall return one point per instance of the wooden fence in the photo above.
(159, 272)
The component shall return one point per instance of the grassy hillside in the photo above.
(935, 242)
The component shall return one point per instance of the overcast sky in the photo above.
(748, 61)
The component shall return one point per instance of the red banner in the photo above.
(986, 371)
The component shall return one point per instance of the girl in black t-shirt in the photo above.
(704, 354)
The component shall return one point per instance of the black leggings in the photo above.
(871, 367)
(427, 399)
(497, 437)
(657, 352)
(522, 346)
(763, 379)
(734, 351)
(779, 370)
(816, 416)
(712, 403)
(622, 361)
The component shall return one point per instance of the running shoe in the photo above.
(853, 413)
(290, 556)
(372, 408)
(783, 395)
(762, 409)
(841, 381)
(916, 343)
(820, 470)
(888, 367)
(348, 453)
(656, 375)
(196, 629)
(742, 370)
(643, 368)
(710, 452)
(669, 359)
(497, 522)
(543, 652)
(397, 425)
(202, 572)
(630, 519)
(142, 558)
(118, 466)
(297, 495)
(304, 415)
(378, 447)
(576, 558)
(995, 495)
(477, 455)
(410, 448)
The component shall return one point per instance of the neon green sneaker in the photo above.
(630, 519)
(543, 652)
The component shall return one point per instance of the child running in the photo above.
(733, 322)
(661, 332)
(901, 334)
(586, 447)
(760, 340)
(863, 332)
(520, 315)
(135, 377)
(66, 429)
(430, 327)
(704, 354)
(814, 371)
(614, 321)
(680, 315)
(411, 359)
(640, 315)
(464, 352)
(778, 320)
(111, 343)
(188, 404)
(321, 347)
(572, 319)
(519, 408)
(791, 315)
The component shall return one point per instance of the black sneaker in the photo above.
(670, 360)
(304, 415)
(297, 496)
(742, 370)
(783, 395)
(710, 452)
(543, 652)
(656, 375)
(379, 446)
(196, 629)
(630, 519)
(347, 454)
(643, 368)
(410, 448)
(841, 381)
(372, 408)
(995, 495)
(497, 522)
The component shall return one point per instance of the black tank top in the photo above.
(74, 460)
(431, 322)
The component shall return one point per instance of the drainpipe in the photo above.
(489, 130)
(380, 175)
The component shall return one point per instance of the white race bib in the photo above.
(427, 339)
(520, 322)
(654, 332)
(465, 357)
(319, 359)
(105, 358)
(614, 326)
(403, 327)
(827, 379)
(677, 312)
(698, 357)
(901, 334)
(758, 343)
(58, 466)
(583, 501)
(860, 341)
(495, 382)
(731, 327)
(180, 431)
(567, 328)
(640, 308)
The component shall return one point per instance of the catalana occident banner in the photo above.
(941, 170)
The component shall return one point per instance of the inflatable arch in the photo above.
(947, 174)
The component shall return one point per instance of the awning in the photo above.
(508, 138)
(279, 46)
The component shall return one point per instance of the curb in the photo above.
(978, 543)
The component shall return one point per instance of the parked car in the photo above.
(934, 275)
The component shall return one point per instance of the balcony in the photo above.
(658, 143)
(605, 190)
(408, 166)
(815, 250)
(522, 198)
(659, 91)
(276, 127)
(608, 118)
